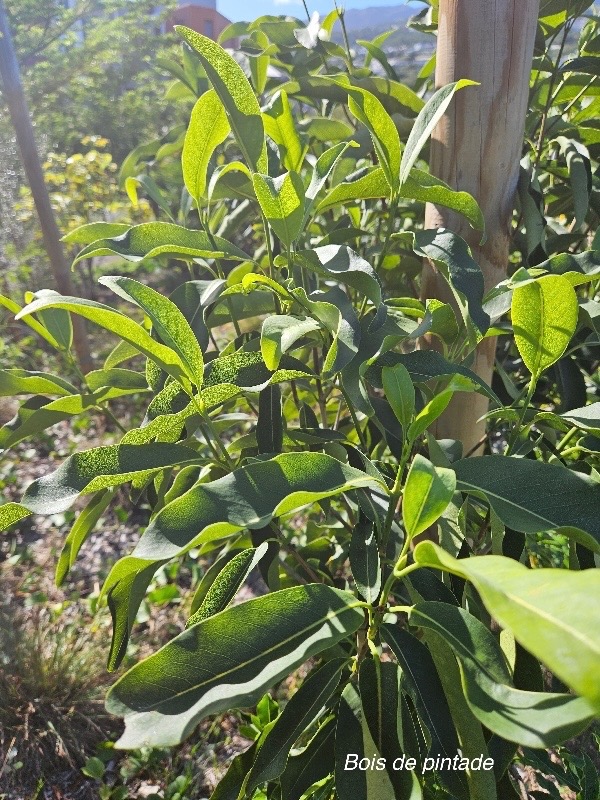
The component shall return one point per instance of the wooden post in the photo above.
(12, 90)
(476, 148)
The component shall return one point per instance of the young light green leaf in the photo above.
(371, 186)
(11, 513)
(82, 527)
(279, 333)
(426, 188)
(153, 239)
(123, 326)
(282, 202)
(280, 127)
(236, 95)
(299, 713)
(227, 583)
(531, 604)
(161, 705)
(427, 493)
(10, 305)
(428, 118)
(92, 231)
(208, 128)
(90, 471)
(369, 110)
(544, 316)
(399, 392)
(563, 499)
(427, 416)
(168, 322)
(322, 170)
(533, 719)
(20, 381)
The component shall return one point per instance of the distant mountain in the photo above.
(380, 18)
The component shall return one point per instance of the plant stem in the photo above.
(519, 424)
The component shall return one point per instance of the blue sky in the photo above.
(250, 9)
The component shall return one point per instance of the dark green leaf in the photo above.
(299, 713)
(90, 471)
(228, 661)
(531, 496)
(236, 95)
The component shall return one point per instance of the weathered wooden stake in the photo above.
(477, 148)
(12, 90)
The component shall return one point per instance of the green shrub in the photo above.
(288, 428)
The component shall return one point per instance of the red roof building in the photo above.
(201, 16)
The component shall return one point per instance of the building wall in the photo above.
(207, 21)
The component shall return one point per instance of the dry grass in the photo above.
(51, 709)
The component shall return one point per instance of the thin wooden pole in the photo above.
(12, 90)
(476, 148)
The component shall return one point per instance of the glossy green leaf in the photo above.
(280, 333)
(227, 583)
(280, 127)
(208, 128)
(153, 239)
(299, 713)
(282, 202)
(336, 313)
(364, 560)
(544, 316)
(36, 415)
(228, 661)
(379, 684)
(269, 427)
(427, 416)
(92, 231)
(123, 326)
(369, 110)
(168, 322)
(428, 118)
(399, 392)
(420, 680)
(236, 95)
(214, 510)
(427, 493)
(423, 365)
(90, 471)
(531, 604)
(11, 513)
(194, 299)
(20, 381)
(587, 418)
(531, 496)
(124, 589)
(81, 529)
(371, 186)
(426, 188)
(533, 719)
(453, 258)
(354, 739)
(312, 764)
(342, 264)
